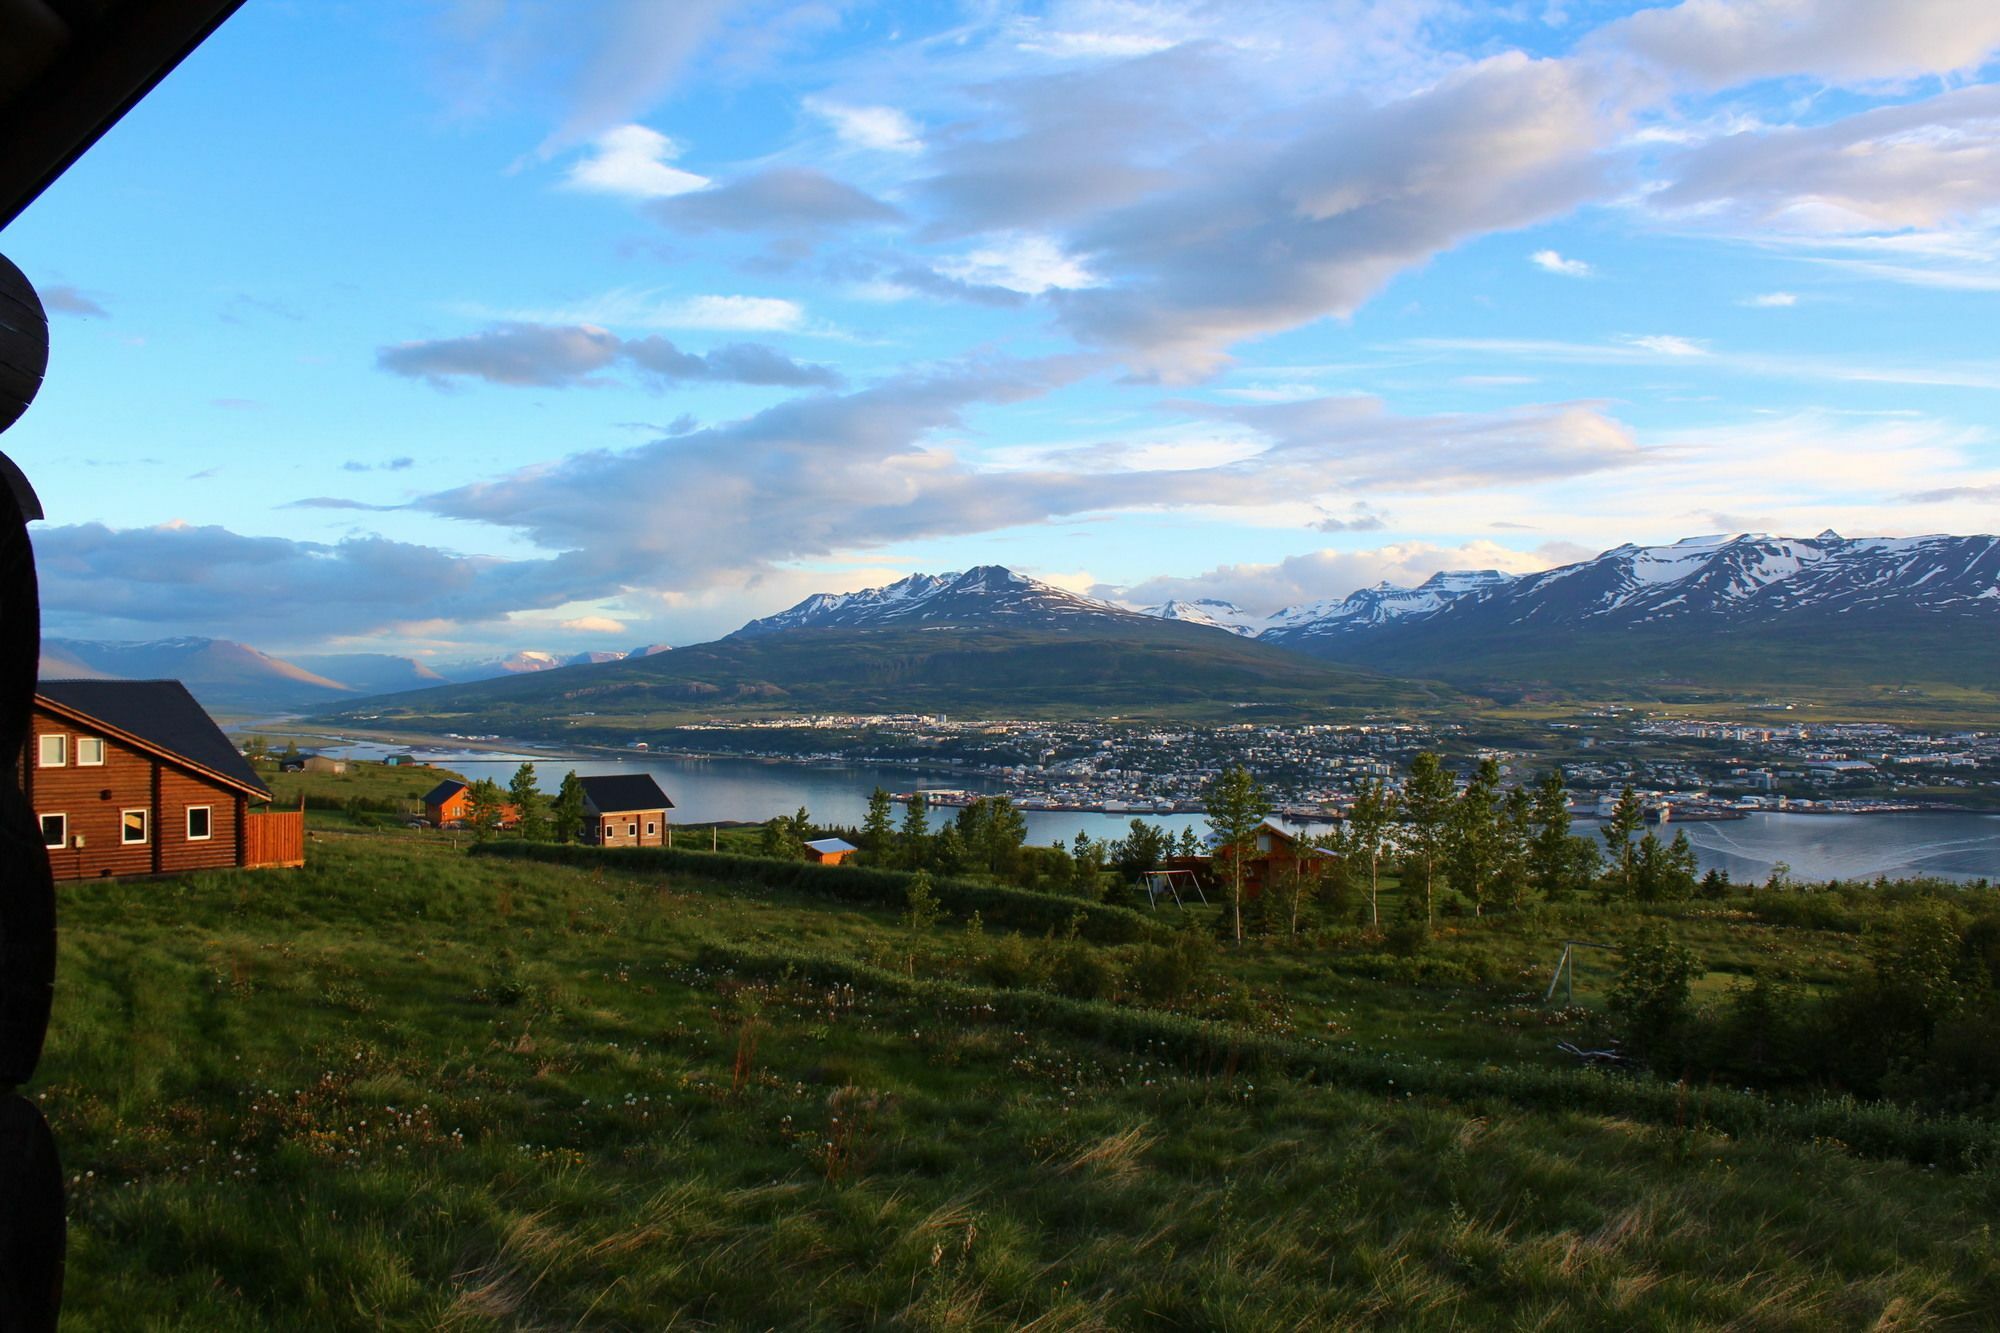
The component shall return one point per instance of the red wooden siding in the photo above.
(93, 799)
(274, 838)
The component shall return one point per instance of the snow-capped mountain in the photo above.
(1384, 604)
(1213, 612)
(987, 595)
(1751, 577)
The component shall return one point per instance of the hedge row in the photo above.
(1020, 909)
(1866, 1129)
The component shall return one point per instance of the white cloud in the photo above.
(1667, 344)
(768, 314)
(1328, 573)
(632, 161)
(1771, 300)
(594, 625)
(1551, 262)
(883, 129)
(1031, 264)
(654, 308)
(1725, 42)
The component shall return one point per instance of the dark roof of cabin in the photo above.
(615, 793)
(443, 792)
(160, 713)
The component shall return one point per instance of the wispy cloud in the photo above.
(1549, 261)
(564, 356)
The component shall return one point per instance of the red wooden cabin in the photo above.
(132, 777)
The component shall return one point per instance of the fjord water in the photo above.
(1816, 847)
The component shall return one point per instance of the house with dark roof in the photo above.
(625, 810)
(449, 805)
(132, 777)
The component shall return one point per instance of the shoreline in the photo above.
(533, 752)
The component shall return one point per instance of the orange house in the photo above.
(449, 805)
(1275, 854)
(829, 851)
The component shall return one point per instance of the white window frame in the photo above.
(652, 829)
(125, 838)
(61, 738)
(81, 742)
(208, 817)
(632, 829)
(62, 841)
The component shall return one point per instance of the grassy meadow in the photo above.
(414, 1087)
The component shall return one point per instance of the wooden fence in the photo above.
(274, 838)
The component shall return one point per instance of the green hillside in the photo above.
(1916, 667)
(1130, 668)
(409, 1087)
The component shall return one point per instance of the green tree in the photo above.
(949, 852)
(291, 751)
(1656, 973)
(1628, 816)
(1473, 847)
(1368, 822)
(1237, 807)
(566, 814)
(878, 831)
(1190, 845)
(916, 832)
(1427, 809)
(1921, 965)
(486, 805)
(920, 903)
(1550, 860)
(1141, 850)
(528, 804)
(1516, 835)
(1086, 866)
(257, 748)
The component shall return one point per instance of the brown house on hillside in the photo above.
(625, 810)
(132, 777)
(1277, 853)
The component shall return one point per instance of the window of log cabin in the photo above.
(201, 826)
(55, 831)
(90, 751)
(631, 830)
(132, 826)
(651, 828)
(54, 751)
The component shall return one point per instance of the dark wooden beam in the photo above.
(78, 66)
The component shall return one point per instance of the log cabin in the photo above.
(625, 810)
(132, 777)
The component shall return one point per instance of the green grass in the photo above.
(406, 1087)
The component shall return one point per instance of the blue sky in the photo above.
(489, 324)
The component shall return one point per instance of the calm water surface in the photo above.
(1816, 847)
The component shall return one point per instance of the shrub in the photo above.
(1651, 994)
(1408, 937)
(1018, 908)
(1168, 972)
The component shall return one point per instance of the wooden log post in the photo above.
(32, 1229)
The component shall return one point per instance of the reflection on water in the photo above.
(1816, 847)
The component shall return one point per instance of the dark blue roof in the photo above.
(615, 793)
(162, 715)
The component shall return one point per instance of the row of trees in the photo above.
(522, 809)
(1491, 845)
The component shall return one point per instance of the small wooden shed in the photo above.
(829, 851)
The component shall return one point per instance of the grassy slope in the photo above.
(1182, 671)
(406, 1087)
